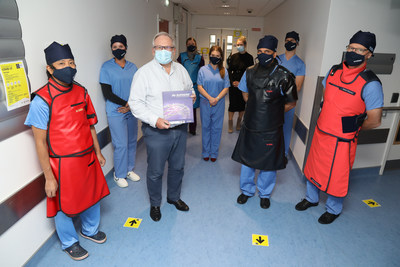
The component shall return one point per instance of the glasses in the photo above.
(160, 47)
(357, 50)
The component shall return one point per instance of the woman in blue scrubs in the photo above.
(116, 77)
(213, 85)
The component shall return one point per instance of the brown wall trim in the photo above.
(104, 137)
(393, 164)
(300, 129)
(374, 136)
(19, 204)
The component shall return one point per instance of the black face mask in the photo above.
(354, 59)
(290, 46)
(191, 48)
(65, 75)
(119, 53)
(265, 59)
(215, 60)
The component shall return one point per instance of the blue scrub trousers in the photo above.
(124, 138)
(265, 182)
(212, 119)
(162, 146)
(334, 205)
(65, 227)
(287, 128)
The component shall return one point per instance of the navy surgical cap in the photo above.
(119, 38)
(55, 52)
(293, 35)
(367, 39)
(269, 42)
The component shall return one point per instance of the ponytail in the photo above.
(221, 69)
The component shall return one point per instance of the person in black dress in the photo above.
(237, 65)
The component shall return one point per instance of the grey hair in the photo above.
(164, 34)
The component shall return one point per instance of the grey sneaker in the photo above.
(76, 252)
(121, 182)
(99, 238)
(133, 176)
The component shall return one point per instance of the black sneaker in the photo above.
(76, 252)
(327, 218)
(99, 238)
(242, 199)
(305, 204)
(265, 203)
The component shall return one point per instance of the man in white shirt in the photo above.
(164, 141)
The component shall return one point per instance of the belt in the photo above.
(175, 127)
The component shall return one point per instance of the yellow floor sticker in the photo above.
(260, 240)
(133, 222)
(371, 203)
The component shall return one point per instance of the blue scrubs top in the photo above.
(243, 82)
(38, 114)
(211, 80)
(372, 94)
(193, 66)
(294, 64)
(120, 80)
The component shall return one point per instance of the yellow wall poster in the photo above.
(15, 84)
(237, 33)
(204, 52)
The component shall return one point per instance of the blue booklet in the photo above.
(178, 106)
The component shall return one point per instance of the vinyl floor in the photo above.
(219, 232)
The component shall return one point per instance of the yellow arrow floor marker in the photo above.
(260, 240)
(133, 222)
(371, 203)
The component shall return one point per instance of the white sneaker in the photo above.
(133, 176)
(121, 182)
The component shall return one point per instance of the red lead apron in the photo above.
(81, 182)
(334, 143)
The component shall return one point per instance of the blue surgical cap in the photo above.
(269, 42)
(55, 52)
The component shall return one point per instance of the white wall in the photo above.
(232, 22)
(325, 28)
(184, 29)
(310, 19)
(87, 27)
(346, 17)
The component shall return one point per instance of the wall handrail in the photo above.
(391, 108)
